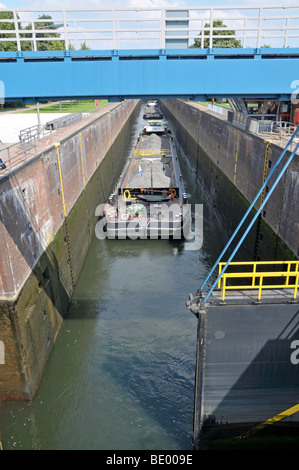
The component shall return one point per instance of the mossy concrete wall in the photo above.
(47, 220)
(221, 151)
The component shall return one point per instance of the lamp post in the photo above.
(54, 26)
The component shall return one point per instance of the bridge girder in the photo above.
(196, 74)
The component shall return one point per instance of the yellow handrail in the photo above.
(292, 272)
(151, 152)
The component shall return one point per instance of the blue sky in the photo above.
(148, 4)
(128, 3)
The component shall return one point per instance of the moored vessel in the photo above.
(149, 200)
(152, 111)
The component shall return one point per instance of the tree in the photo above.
(220, 42)
(51, 43)
(83, 47)
(7, 45)
(48, 45)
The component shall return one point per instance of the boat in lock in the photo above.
(149, 200)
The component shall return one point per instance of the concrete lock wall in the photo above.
(233, 368)
(47, 220)
(240, 156)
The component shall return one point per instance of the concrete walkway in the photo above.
(18, 153)
(12, 124)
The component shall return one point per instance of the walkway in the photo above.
(20, 153)
(274, 139)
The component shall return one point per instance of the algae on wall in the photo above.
(30, 322)
(262, 242)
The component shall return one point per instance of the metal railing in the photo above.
(151, 152)
(288, 274)
(35, 133)
(274, 129)
(257, 214)
(13, 155)
(153, 27)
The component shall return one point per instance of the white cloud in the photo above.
(229, 11)
(52, 4)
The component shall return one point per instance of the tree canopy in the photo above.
(52, 41)
(7, 45)
(218, 42)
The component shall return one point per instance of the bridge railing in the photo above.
(125, 28)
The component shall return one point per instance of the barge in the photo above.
(149, 200)
(152, 111)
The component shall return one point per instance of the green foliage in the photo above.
(83, 47)
(48, 44)
(7, 45)
(221, 42)
(51, 43)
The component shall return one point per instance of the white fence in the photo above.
(218, 109)
(149, 28)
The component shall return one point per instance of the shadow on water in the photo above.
(145, 340)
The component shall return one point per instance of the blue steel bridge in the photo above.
(198, 74)
(149, 53)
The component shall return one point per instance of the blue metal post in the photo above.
(253, 220)
(250, 208)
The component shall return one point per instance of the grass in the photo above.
(68, 107)
(224, 105)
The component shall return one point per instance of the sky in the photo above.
(135, 3)
(94, 4)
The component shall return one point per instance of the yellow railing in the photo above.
(152, 152)
(260, 271)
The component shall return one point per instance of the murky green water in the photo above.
(121, 375)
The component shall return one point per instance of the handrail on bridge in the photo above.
(290, 276)
(148, 25)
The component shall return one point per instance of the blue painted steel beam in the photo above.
(198, 74)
